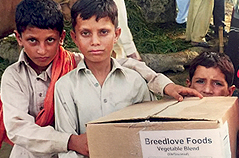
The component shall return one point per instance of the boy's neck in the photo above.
(100, 69)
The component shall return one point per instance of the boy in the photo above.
(211, 74)
(27, 85)
(107, 86)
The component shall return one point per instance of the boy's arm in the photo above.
(157, 82)
(66, 119)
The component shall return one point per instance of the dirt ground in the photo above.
(178, 78)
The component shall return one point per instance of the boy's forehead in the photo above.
(33, 30)
(204, 71)
(79, 19)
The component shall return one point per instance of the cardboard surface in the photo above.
(197, 128)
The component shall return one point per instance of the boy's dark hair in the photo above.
(216, 60)
(99, 8)
(44, 14)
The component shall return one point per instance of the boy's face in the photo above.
(95, 39)
(40, 45)
(210, 82)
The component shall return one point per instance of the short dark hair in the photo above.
(99, 8)
(44, 14)
(216, 60)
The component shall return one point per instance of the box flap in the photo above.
(137, 111)
(191, 108)
(208, 108)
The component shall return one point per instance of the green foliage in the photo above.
(68, 43)
(10, 39)
(4, 63)
(153, 38)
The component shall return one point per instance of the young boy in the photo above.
(99, 85)
(27, 85)
(211, 74)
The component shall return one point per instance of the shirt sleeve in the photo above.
(20, 126)
(66, 119)
(156, 81)
(144, 92)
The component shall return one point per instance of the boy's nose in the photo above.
(208, 89)
(95, 39)
(41, 49)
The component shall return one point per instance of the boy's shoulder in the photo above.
(133, 76)
(18, 65)
(13, 68)
(15, 73)
(67, 78)
(129, 73)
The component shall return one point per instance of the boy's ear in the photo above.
(117, 34)
(18, 37)
(188, 82)
(231, 90)
(73, 36)
(63, 35)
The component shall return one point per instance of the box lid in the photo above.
(191, 108)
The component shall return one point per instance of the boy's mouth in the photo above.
(96, 52)
(42, 59)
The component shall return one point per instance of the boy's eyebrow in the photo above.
(217, 80)
(87, 29)
(200, 78)
(83, 29)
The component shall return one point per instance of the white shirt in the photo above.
(79, 98)
(23, 93)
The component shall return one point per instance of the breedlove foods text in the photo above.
(186, 141)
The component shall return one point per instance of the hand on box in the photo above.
(177, 91)
(79, 144)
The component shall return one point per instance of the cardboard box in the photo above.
(194, 128)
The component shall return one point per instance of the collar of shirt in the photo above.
(23, 61)
(115, 66)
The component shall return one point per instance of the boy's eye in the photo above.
(200, 81)
(217, 83)
(32, 40)
(85, 33)
(50, 40)
(104, 32)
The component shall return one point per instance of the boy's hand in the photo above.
(178, 91)
(79, 144)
